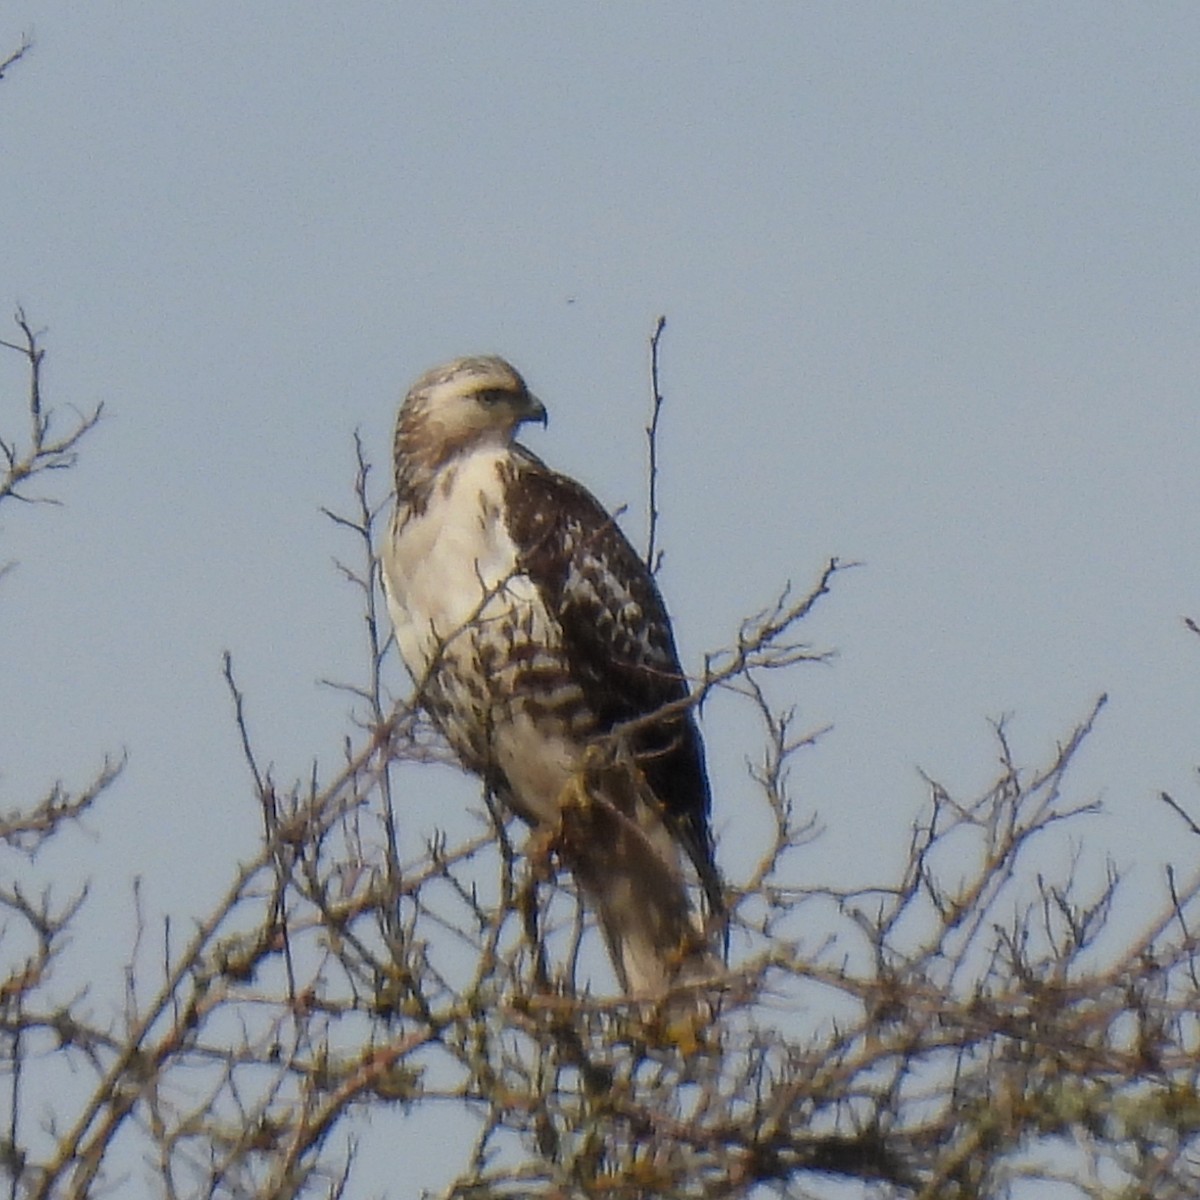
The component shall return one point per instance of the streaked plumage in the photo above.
(533, 629)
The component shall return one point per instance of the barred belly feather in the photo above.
(476, 631)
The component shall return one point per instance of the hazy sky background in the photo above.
(931, 279)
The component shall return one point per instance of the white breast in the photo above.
(454, 565)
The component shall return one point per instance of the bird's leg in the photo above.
(684, 1023)
(577, 793)
(527, 905)
(539, 850)
(578, 799)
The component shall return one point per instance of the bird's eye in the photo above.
(490, 396)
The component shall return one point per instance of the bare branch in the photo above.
(942, 1027)
(653, 554)
(1179, 812)
(26, 44)
(29, 830)
(43, 452)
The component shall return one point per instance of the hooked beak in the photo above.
(534, 410)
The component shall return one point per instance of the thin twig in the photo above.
(43, 453)
(18, 54)
(653, 554)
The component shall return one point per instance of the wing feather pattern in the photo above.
(617, 636)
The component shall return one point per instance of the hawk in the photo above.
(542, 650)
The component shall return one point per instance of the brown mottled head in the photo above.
(455, 408)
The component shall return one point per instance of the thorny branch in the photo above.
(951, 1025)
(35, 924)
(381, 707)
(42, 451)
(26, 44)
(653, 554)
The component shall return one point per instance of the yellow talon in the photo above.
(575, 792)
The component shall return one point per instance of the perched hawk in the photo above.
(541, 647)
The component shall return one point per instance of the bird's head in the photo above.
(471, 400)
(456, 408)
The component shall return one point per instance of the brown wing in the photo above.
(618, 639)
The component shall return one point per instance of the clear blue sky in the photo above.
(931, 279)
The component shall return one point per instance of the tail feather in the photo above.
(630, 869)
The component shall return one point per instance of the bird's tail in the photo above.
(630, 869)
